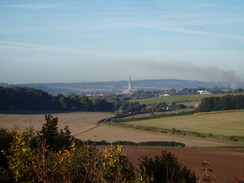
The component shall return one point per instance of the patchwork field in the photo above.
(83, 125)
(231, 123)
(188, 100)
(227, 164)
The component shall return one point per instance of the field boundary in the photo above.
(174, 131)
(216, 112)
(179, 113)
(120, 121)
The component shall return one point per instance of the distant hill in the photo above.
(119, 86)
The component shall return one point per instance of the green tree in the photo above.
(100, 104)
(238, 90)
(85, 103)
(20, 156)
(55, 139)
(166, 169)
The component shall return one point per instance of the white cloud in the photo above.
(44, 48)
(32, 6)
(207, 5)
(183, 30)
(183, 15)
(13, 48)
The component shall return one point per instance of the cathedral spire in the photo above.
(128, 91)
(129, 84)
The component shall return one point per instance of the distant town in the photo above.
(159, 87)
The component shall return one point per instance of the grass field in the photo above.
(188, 100)
(218, 124)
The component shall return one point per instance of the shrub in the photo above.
(56, 140)
(166, 169)
(86, 164)
(20, 156)
(6, 138)
(117, 166)
(207, 173)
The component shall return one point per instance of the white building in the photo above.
(204, 92)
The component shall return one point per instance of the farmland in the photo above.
(226, 163)
(188, 100)
(83, 125)
(78, 122)
(218, 124)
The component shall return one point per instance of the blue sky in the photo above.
(106, 40)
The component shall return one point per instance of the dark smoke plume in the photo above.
(189, 71)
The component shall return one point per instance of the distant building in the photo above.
(129, 87)
(204, 92)
(164, 95)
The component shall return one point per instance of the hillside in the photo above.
(188, 100)
(119, 86)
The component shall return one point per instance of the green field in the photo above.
(188, 100)
(228, 124)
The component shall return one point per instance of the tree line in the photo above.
(30, 99)
(20, 98)
(226, 102)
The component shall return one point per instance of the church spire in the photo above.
(128, 91)
(129, 84)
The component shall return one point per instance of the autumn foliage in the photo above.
(53, 156)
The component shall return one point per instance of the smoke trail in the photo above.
(190, 71)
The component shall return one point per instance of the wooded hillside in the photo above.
(226, 102)
(19, 98)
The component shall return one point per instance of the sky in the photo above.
(45, 41)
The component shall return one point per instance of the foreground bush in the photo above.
(54, 156)
(83, 163)
(166, 169)
(6, 139)
(86, 164)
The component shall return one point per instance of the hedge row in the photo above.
(182, 132)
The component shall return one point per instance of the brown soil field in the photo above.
(226, 164)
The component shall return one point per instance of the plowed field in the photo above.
(226, 164)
